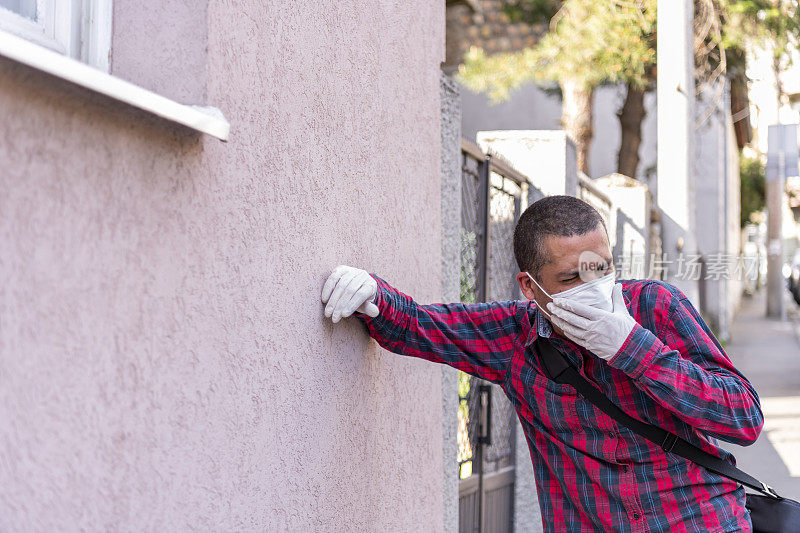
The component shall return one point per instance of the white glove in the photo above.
(347, 290)
(601, 332)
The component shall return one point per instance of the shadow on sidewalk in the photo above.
(767, 352)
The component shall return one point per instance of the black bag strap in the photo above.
(558, 368)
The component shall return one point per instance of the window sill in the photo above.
(203, 119)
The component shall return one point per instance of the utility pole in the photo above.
(782, 156)
(675, 99)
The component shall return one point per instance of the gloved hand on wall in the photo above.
(347, 290)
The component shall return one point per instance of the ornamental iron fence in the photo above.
(493, 197)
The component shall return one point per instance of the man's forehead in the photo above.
(578, 252)
(572, 245)
(588, 260)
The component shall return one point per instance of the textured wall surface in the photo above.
(451, 285)
(162, 46)
(164, 359)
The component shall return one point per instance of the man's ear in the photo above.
(525, 285)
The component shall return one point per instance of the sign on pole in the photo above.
(782, 153)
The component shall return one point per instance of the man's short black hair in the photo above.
(560, 216)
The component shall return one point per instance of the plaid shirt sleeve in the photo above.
(685, 369)
(475, 338)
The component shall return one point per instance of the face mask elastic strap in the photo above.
(544, 291)
(540, 287)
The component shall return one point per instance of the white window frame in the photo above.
(204, 119)
(80, 29)
(74, 44)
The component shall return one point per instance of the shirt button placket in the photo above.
(638, 523)
(634, 505)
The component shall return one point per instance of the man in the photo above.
(641, 342)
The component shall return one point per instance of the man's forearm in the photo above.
(720, 402)
(475, 338)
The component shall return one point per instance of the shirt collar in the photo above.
(539, 325)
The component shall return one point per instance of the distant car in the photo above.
(794, 277)
(754, 255)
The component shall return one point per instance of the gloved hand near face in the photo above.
(592, 324)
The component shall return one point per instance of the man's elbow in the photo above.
(750, 433)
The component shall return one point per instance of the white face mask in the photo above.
(594, 293)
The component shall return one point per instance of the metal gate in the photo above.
(492, 200)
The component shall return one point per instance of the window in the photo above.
(80, 29)
(71, 39)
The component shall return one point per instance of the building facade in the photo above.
(166, 364)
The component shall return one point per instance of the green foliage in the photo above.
(531, 11)
(752, 187)
(608, 41)
(590, 42)
(463, 384)
(766, 23)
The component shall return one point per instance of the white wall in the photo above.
(531, 108)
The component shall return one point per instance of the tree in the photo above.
(752, 187)
(770, 24)
(594, 41)
(631, 116)
(590, 42)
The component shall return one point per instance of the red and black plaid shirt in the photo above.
(591, 473)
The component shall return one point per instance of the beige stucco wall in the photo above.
(164, 359)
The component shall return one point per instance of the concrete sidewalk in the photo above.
(767, 352)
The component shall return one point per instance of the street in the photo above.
(767, 352)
